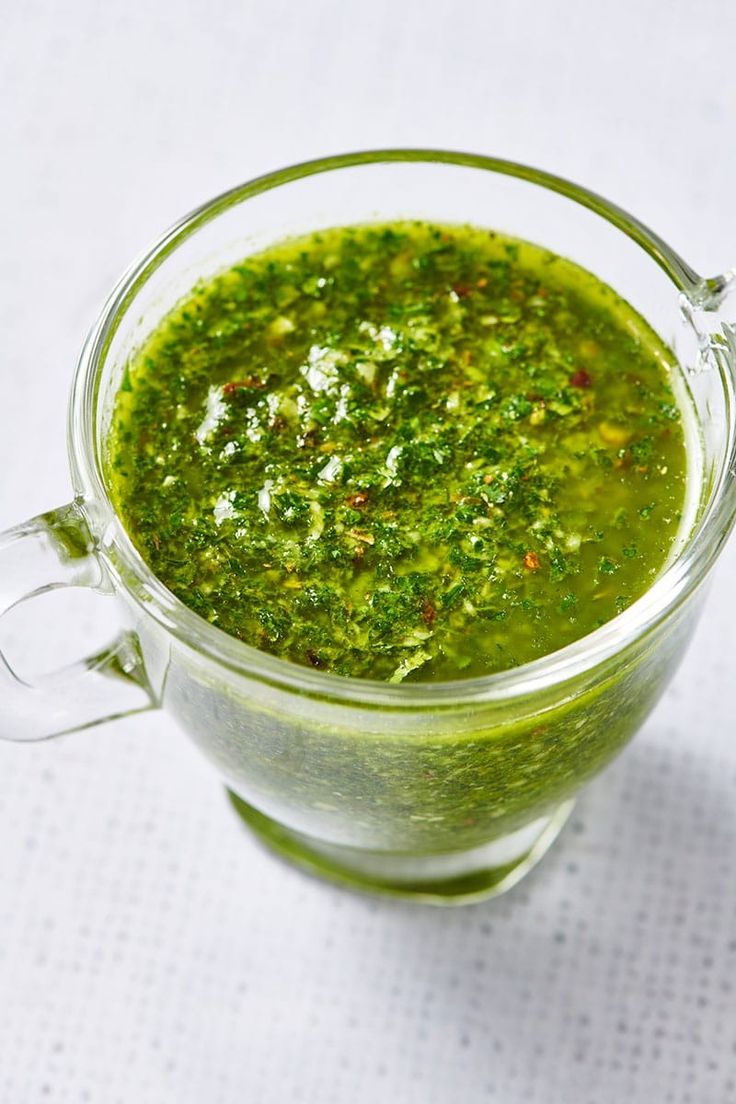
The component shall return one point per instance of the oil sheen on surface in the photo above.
(402, 451)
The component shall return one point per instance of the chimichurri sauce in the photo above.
(402, 451)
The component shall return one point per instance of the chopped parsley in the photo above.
(401, 451)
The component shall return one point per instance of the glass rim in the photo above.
(583, 655)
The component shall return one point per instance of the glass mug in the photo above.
(442, 792)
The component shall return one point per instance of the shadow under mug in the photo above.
(442, 792)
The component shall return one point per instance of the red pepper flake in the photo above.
(483, 282)
(581, 378)
(531, 561)
(357, 500)
(238, 385)
(429, 613)
(462, 290)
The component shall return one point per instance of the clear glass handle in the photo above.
(710, 310)
(51, 551)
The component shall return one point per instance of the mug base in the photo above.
(449, 878)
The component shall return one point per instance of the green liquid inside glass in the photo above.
(403, 451)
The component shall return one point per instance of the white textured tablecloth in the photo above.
(150, 952)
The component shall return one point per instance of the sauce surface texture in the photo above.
(402, 451)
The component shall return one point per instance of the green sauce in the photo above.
(402, 452)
